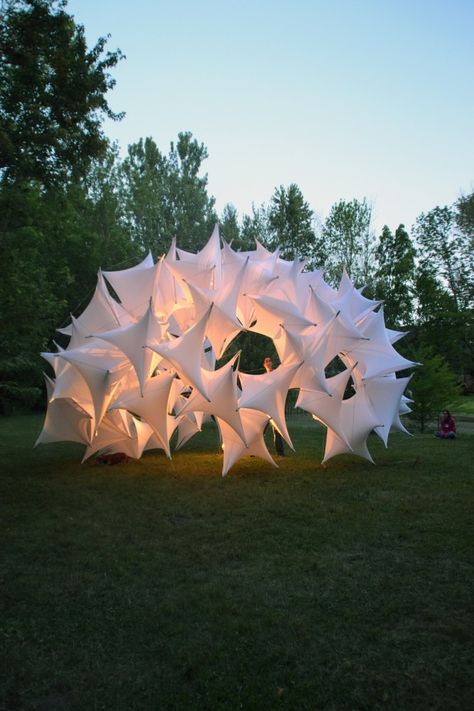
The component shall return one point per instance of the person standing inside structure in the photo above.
(277, 438)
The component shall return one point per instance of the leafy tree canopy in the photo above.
(347, 240)
(52, 93)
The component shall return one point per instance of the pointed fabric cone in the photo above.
(181, 318)
(102, 312)
(340, 335)
(394, 336)
(138, 443)
(189, 273)
(221, 386)
(153, 407)
(120, 420)
(271, 313)
(287, 285)
(384, 395)
(267, 393)
(187, 428)
(184, 353)
(262, 254)
(350, 300)
(311, 279)
(56, 363)
(101, 369)
(288, 347)
(306, 349)
(223, 325)
(398, 426)
(131, 340)
(358, 419)
(368, 319)
(79, 337)
(376, 356)
(326, 408)
(254, 423)
(230, 256)
(177, 387)
(164, 293)
(64, 421)
(132, 446)
(209, 256)
(107, 435)
(318, 310)
(404, 408)
(71, 385)
(133, 286)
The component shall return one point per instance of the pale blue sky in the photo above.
(347, 99)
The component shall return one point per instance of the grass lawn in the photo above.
(160, 585)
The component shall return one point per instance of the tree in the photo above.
(465, 217)
(165, 197)
(52, 93)
(255, 227)
(446, 252)
(193, 211)
(444, 285)
(52, 102)
(395, 275)
(433, 386)
(229, 226)
(347, 241)
(290, 223)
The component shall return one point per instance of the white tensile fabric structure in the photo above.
(138, 369)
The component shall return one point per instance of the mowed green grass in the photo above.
(161, 585)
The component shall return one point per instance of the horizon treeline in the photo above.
(69, 204)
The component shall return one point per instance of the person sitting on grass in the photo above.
(447, 426)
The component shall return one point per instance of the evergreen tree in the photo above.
(255, 227)
(395, 275)
(229, 226)
(290, 223)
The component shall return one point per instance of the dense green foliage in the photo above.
(52, 93)
(432, 387)
(159, 584)
(69, 204)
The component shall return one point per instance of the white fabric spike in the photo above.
(221, 386)
(64, 421)
(133, 286)
(375, 354)
(184, 353)
(254, 423)
(102, 369)
(153, 407)
(131, 340)
(358, 419)
(385, 395)
(267, 393)
(272, 313)
(326, 406)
